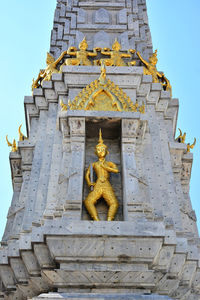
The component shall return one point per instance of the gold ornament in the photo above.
(102, 187)
(103, 95)
(63, 106)
(181, 138)
(150, 69)
(81, 55)
(13, 145)
(50, 69)
(22, 137)
(191, 146)
(116, 56)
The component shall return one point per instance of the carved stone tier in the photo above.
(155, 250)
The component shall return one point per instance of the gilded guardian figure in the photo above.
(102, 187)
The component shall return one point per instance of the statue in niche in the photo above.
(81, 55)
(102, 187)
(150, 69)
(50, 69)
(116, 56)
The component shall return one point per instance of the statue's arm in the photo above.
(72, 51)
(126, 55)
(60, 58)
(111, 167)
(87, 177)
(106, 52)
(142, 59)
(94, 53)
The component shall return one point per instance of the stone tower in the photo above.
(51, 248)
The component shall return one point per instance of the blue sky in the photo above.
(25, 28)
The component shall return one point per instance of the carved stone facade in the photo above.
(51, 249)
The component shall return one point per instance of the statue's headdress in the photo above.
(101, 142)
(50, 59)
(153, 57)
(116, 44)
(83, 42)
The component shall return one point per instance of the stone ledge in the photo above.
(97, 70)
(114, 228)
(119, 296)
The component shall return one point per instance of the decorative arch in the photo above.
(102, 16)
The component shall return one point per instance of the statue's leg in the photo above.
(72, 62)
(112, 202)
(90, 202)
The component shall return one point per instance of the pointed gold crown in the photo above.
(101, 142)
(116, 44)
(83, 42)
(100, 137)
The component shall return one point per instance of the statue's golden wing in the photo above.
(9, 144)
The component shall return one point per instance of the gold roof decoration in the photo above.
(103, 95)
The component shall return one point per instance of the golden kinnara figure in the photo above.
(116, 56)
(102, 187)
(50, 69)
(150, 69)
(81, 55)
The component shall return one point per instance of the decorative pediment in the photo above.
(103, 95)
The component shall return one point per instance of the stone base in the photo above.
(85, 296)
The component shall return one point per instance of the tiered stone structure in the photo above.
(50, 248)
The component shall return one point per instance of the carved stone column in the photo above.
(129, 169)
(74, 196)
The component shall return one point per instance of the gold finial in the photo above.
(181, 138)
(63, 105)
(191, 146)
(22, 137)
(13, 145)
(102, 77)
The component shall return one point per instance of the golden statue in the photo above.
(102, 187)
(181, 138)
(116, 56)
(50, 69)
(150, 69)
(22, 137)
(81, 55)
(12, 145)
(191, 146)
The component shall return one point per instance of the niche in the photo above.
(111, 134)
